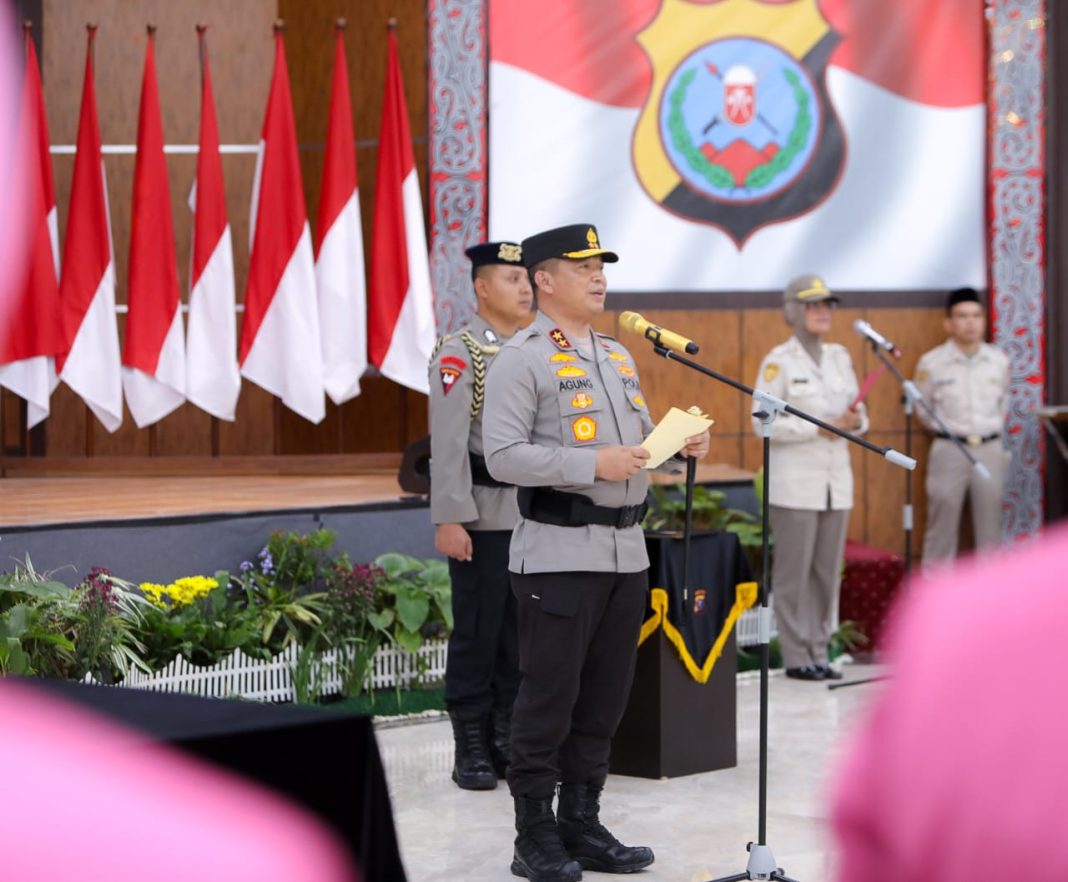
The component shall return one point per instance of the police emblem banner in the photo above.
(733, 143)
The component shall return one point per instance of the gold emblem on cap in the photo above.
(591, 238)
(511, 253)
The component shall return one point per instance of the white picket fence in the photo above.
(238, 676)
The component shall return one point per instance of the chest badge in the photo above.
(560, 339)
(584, 429)
(582, 401)
(617, 356)
(562, 356)
(771, 371)
(638, 400)
(570, 370)
(625, 369)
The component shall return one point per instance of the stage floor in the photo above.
(64, 500)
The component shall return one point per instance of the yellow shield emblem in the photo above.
(738, 130)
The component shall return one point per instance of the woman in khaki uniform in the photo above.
(810, 491)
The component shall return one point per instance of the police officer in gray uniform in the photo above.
(474, 515)
(565, 418)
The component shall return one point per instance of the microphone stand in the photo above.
(911, 397)
(761, 864)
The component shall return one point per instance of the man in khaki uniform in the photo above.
(810, 491)
(966, 382)
(474, 516)
(565, 418)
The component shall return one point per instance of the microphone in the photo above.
(632, 321)
(866, 330)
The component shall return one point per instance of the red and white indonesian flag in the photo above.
(280, 345)
(732, 145)
(401, 308)
(35, 327)
(213, 381)
(153, 358)
(339, 248)
(90, 365)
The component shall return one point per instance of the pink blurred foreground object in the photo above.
(92, 801)
(961, 771)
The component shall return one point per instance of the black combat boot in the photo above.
(587, 840)
(501, 739)
(472, 769)
(539, 854)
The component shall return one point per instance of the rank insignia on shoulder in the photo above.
(560, 339)
(625, 369)
(617, 356)
(449, 375)
(562, 356)
(581, 401)
(771, 371)
(570, 371)
(584, 429)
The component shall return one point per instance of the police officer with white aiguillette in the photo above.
(966, 382)
(474, 515)
(565, 418)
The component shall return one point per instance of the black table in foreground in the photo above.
(324, 760)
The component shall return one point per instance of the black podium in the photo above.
(675, 725)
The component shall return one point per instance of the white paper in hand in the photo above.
(670, 434)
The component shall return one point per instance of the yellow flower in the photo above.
(180, 592)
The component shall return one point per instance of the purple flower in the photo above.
(266, 562)
(246, 565)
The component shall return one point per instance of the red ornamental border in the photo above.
(1017, 233)
(457, 97)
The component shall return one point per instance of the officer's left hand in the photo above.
(697, 445)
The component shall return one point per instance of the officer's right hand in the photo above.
(620, 463)
(453, 540)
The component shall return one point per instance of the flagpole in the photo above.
(202, 56)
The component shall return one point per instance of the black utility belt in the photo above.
(972, 440)
(574, 510)
(480, 474)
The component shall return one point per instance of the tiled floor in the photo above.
(697, 825)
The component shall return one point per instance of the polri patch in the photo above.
(449, 376)
(584, 429)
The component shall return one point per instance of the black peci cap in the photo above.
(962, 295)
(574, 242)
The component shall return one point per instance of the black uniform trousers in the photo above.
(578, 643)
(482, 666)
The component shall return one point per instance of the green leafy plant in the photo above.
(415, 599)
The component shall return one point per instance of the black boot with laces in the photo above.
(586, 838)
(539, 854)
